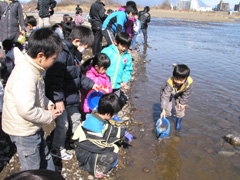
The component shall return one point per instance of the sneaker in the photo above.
(62, 154)
(99, 173)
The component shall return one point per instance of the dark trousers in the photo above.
(144, 31)
(97, 44)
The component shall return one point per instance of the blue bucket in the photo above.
(165, 133)
(93, 98)
(116, 118)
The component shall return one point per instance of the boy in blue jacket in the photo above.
(95, 139)
(114, 23)
(121, 62)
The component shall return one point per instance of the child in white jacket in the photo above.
(25, 107)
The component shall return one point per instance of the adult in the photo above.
(11, 16)
(145, 18)
(77, 8)
(97, 14)
(45, 8)
(114, 23)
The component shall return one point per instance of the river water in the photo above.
(212, 52)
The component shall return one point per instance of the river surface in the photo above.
(212, 52)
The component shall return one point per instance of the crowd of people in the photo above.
(44, 78)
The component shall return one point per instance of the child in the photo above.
(121, 62)
(57, 28)
(136, 30)
(178, 87)
(25, 107)
(79, 19)
(114, 23)
(31, 24)
(95, 138)
(63, 81)
(67, 27)
(97, 72)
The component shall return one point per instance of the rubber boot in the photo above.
(178, 124)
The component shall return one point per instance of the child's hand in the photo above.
(181, 107)
(95, 87)
(55, 113)
(123, 84)
(60, 106)
(163, 114)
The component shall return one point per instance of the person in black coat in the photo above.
(97, 14)
(145, 18)
(45, 8)
(11, 16)
(62, 83)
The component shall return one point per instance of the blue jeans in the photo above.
(70, 115)
(33, 152)
(134, 40)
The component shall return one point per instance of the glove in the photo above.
(128, 136)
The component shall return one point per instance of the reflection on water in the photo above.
(212, 51)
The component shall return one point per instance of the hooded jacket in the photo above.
(97, 14)
(121, 66)
(100, 79)
(144, 18)
(25, 103)
(115, 22)
(64, 79)
(169, 90)
(96, 137)
(11, 18)
(43, 6)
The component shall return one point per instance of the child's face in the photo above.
(122, 48)
(48, 62)
(179, 82)
(109, 117)
(100, 70)
(136, 17)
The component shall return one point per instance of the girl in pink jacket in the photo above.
(97, 72)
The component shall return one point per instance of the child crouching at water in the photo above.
(121, 62)
(26, 108)
(97, 72)
(178, 87)
(95, 138)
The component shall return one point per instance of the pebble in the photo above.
(226, 153)
(142, 130)
(146, 170)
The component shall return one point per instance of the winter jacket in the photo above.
(67, 29)
(10, 21)
(121, 66)
(115, 22)
(137, 27)
(3, 6)
(79, 20)
(100, 79)
(25, 103)
(43, 6)
(128, 26)
(169, 91)
(94, 143)
(97, 14)
(1, 96)
(64, 79)
(144, 18)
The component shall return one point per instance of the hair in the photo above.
(147, 8)
(65, 18)
(123, 38)
(109, 104)
(83, 33)
(30, 20)
(109, 11)
(7, 44)
(101, 60)
(40, 174)
(131, 3)
(181, 71)
(132, 9)
(44, 40)
(79, 11)
(55, 26)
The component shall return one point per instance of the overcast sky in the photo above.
(211, 3)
